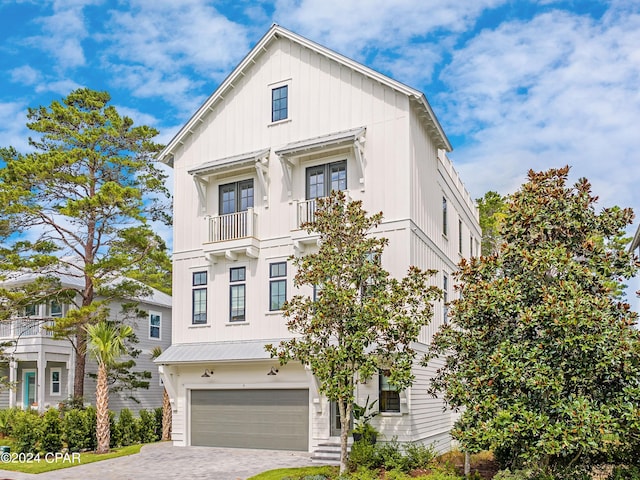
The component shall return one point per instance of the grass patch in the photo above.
(48, 465)
(296, 473)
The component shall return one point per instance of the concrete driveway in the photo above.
(161, 461)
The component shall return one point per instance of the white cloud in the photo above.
(13, 130)
(559, 89)
(61, 87)
(25, 75)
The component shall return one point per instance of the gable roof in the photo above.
(417, 98)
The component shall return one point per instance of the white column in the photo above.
(41, 379)
(71, 369)
(13, 373)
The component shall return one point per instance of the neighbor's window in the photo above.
(155, 321)
(444, 216)
(445, 297)
(55, 309)
(460, 236)
(199, 298)
(279, 103)
(55, 381)
(237, 294)
(277, 285)
(389, 397)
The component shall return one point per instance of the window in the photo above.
(236, 197)
(55, 309)
(388, 395)
(470, 246)
(445, 296)
(30, 310)
(444, 216)
(279, 103)
(237, 294)
(155, 321)
(199, 298)
(55, 379)
(316, 292)
(277, 288)
(460, 236)
(323, 179)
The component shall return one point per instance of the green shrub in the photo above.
(7, 417)
(364, 455)
(147, 427)
(391, 457)
(128, 428)
(158, 414)
(27, 431)
(73, 430)
(624, 473)
(51, 431)
(114, 431)
(418, 455)
(90, 423)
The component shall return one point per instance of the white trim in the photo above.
(51, 371)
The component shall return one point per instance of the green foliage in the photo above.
(89, 189)
(90, 425)
(158, 418)
(115, 439)
(418, 455)
(624, 473)
(51, 431)
(27, 431)
(363, 455)
(74, 430)
(128, 427)
(7, 419)
(147, 427)
(362, 319)
(492, 211)
(541, 351)
(391, 456)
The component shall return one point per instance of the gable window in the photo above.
(155, 322)
(199, 298)
(323, 179)
(277, 285)
(388, 395)
(55, 381)
(279, 103)
(237, 294)
(444, 216)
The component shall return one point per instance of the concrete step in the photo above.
(327, 453)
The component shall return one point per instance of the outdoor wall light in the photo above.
(273, 371)
(207, 373)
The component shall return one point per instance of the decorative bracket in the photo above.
(201, 187)
(287, 170)
(358, 148)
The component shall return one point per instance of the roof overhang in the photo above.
(195, 353)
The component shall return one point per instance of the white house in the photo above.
(293, 121)
(41, 369)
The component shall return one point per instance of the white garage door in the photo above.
(252, 418)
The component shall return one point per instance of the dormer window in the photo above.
(280, 103)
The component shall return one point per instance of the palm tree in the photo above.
(106, 345)
(166, 404)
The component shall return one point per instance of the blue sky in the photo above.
(516, 84)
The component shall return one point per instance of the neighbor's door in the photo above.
(29, 389)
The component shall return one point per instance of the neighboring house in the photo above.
(41, 368)
(292, 122)
(635, 243)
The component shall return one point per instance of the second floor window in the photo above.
(280, 103)
(323, 179)
(237, 294)
(444, 216)
(277, 285)
(236, 197)
(199, 298)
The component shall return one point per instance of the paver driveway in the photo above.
(161, 461)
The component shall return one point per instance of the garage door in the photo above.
(273, 419)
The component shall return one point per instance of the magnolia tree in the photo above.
(542, 356)
(79, 205)
(362, 319)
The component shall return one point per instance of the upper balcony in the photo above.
(26, 327)
(232, 234)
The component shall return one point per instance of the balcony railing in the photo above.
(26, 327)
(306, 211)
(232, 226)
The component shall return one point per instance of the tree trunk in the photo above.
(345, 423)
(103, 433)
(81, 358)
(166, 416)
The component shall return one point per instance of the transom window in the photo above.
(278, 285)
(279, 103)
(388, 394)
(236, 197)
(237, 294)
(323, 179)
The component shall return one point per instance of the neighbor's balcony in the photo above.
(26, 327)
(233, 233)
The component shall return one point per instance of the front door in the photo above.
(30, 389)
(334, 414)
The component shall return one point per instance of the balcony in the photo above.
(231, 234)
(306, 212)
(25, 327)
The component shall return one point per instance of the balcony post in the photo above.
(13, 373)
(250, 223)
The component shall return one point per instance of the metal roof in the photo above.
(216, 352)
(245, 159)
(321, 142)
